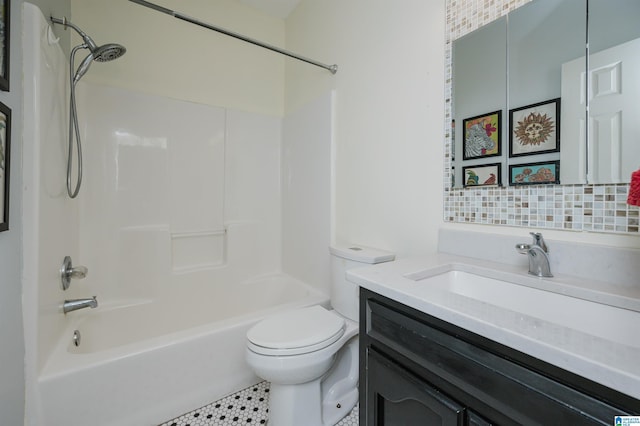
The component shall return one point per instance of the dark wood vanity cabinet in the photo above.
(418, 370)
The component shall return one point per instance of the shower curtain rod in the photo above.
(332, 68)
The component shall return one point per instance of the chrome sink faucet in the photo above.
(75, 304)
(538, 254)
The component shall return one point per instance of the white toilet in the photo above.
(310, 355)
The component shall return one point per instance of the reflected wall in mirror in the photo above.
(536, 54)
(579, 207)
(479, 73)
(542, 35)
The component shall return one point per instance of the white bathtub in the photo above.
(147, 363)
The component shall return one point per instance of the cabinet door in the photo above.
(398, 398)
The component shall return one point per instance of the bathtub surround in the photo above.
(180, 225)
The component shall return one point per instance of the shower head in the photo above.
(104, 53)
(108, 52)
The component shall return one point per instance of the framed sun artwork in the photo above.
(535, 129)
(481, 136)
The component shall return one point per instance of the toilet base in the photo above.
(295, 404)
(321, 402)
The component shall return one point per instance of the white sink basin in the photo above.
(593, 318)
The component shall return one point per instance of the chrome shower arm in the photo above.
(90, 43)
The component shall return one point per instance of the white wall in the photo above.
(388, 113)
(170, 57)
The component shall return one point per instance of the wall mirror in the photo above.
(524, 84)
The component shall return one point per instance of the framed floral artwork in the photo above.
(534, 173)
(5, 151)
(481, 136)
(482, 175)
(535, 129)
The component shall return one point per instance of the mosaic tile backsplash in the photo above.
(596, 208)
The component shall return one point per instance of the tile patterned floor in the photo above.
(246, 407)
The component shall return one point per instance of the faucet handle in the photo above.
(68, 271)
(78, 272)
(539, 240)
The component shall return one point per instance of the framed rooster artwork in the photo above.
(482, 175)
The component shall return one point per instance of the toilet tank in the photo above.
(345, 296)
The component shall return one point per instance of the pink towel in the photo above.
(634, 189)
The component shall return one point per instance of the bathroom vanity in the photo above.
(417, 369)
(449, 340)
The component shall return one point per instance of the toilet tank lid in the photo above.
(362, 254)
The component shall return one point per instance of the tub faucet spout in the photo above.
(538, 255)
(75, 304)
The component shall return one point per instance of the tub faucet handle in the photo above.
(68, 271)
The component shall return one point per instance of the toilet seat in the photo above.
(296, 332)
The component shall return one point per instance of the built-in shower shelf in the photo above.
(198, 250)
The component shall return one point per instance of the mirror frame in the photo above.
(595, 208)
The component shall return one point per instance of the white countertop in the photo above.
(613, 362)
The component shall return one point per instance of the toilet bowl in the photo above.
(310, 355)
